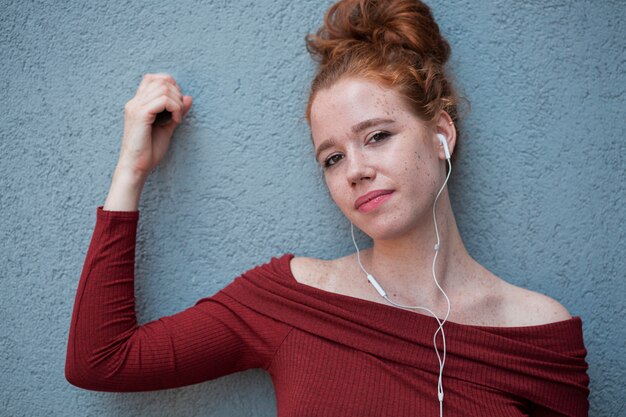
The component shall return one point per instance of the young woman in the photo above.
(411, 326)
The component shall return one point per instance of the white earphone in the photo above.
(444, 142)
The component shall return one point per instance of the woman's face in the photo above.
(367, 139)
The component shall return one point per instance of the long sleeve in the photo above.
(109, 351)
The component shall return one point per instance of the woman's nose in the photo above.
(359, 168)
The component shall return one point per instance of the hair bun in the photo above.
(384, 25)
(396, 43)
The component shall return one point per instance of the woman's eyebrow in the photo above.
(369, 123)
(359, 127)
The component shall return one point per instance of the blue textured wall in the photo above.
(538, 188)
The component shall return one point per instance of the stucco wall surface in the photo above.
(538, 188)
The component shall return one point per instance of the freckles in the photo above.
(421, 163)
(419, 160)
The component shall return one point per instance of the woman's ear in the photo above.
(445, 126)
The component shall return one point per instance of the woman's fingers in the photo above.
(187, 102)
(164, 102)
(156, 86)
(160, 87)
(174, 96)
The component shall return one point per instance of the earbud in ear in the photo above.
(444, 142)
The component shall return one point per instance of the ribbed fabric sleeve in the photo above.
(109, 351)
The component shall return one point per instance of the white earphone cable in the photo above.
(381, 291)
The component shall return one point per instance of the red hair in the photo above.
(394, 42)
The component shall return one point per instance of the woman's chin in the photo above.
(382, 231)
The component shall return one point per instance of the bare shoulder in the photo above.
(530, 308)
(309, 271)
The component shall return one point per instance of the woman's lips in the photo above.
(371, 201)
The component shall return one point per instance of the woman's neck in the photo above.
(404, 266)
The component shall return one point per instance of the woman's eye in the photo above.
(378, 137)
(331, 160)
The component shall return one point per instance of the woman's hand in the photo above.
(144, 143)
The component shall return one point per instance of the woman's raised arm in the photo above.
(107, 349)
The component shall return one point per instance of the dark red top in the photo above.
(328, 354)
